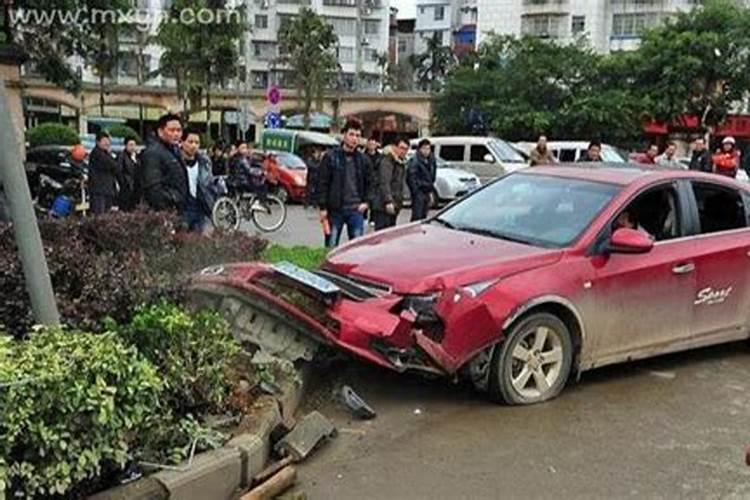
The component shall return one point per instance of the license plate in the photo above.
(307, 279)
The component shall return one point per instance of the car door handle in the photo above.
(684, 268)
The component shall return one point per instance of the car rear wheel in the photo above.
(533, 363)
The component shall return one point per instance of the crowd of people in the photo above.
(726, 161)
(348, 184)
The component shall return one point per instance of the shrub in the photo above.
(111, 264)
(71, 406)
(305, 257)
(124, 132)
(194, 354)
(52, 134)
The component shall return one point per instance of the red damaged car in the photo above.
(545, 273)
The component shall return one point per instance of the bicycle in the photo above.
(267, 211)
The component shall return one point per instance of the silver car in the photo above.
(451, 183)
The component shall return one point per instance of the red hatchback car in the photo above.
(546, 272)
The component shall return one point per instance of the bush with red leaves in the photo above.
(108, 265)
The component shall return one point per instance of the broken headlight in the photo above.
(419, 303)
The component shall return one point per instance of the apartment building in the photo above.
(362, 27)
(454, 22)
(609, 25)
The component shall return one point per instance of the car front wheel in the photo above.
(533, 363)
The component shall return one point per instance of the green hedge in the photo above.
(123, 131)
(52, 134)
(70, 406)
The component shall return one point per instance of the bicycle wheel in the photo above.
(226, 214)
(269, 213)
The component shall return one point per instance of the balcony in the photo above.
(635, 6)
(546, 6)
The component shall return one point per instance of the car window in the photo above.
(654, 212)
(452, 152)
(478, 152)
(504, 151)
(719, 208)
(534, 209)
(566, 155)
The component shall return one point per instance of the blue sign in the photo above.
(273, 120)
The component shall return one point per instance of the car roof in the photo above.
(625, 174)
(463, 139)
(573, 144)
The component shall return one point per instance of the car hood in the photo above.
(454, 174)
(421, 258)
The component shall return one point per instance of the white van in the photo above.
(571, 151)
(487, 157)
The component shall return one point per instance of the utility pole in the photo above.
(25, 229)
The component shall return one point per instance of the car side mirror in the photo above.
(625, 240)
(488, 158)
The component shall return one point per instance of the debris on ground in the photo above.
(274, 486)
(356, 404)
(313, 429)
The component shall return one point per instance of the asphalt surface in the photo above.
(671, 427)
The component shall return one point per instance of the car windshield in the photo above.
(290, 160)
(504, 151)
(537, 210)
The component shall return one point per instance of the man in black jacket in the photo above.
(344, 186)
(127, 169)
(389, 194)
(103, 173)
(420, 177)
(701, 160)
(163, 176)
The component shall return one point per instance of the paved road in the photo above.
(673, 427)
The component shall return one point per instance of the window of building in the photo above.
(439, 13)
(452, 152)
(632, 24)
(128, 64)
(261, 21)
(541, 25)
(340, 3)
(283, 19)
(265, 51)
(401, 46)
(260, 79)
(370, 55)
(372, 27)
(421, 10)
(719, 208)
(578, 24)
(346, 54)
(343, 26)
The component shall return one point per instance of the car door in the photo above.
(721, 246)
(642, 303)
(485, 170)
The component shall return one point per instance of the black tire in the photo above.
(272, 214)
(510, 375)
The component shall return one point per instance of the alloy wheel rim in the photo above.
(536, 362)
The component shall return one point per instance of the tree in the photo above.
(526, 87)
(697, 63)
(433, 65)
(307, 45)
(201, 55)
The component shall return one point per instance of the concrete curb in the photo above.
(218, 474)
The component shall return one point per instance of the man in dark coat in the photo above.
(420, 177)
(345, 186)
(389, 194)
(103, 173)
(162, 175)
(128, 167)
(700, 159)
(313, 175)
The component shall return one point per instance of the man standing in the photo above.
(541, 155)
(201, 196)
(163, 178)
(593, 153)
(103, 173)
(668, 158)
(371, 150)
(420, 176)
(345, 186)
(389, 194)
(315, 155)
(649, 157)
(128, 165)
(700, 160)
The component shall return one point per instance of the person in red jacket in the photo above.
(727, 160)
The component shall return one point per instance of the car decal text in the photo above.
(709, 296)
